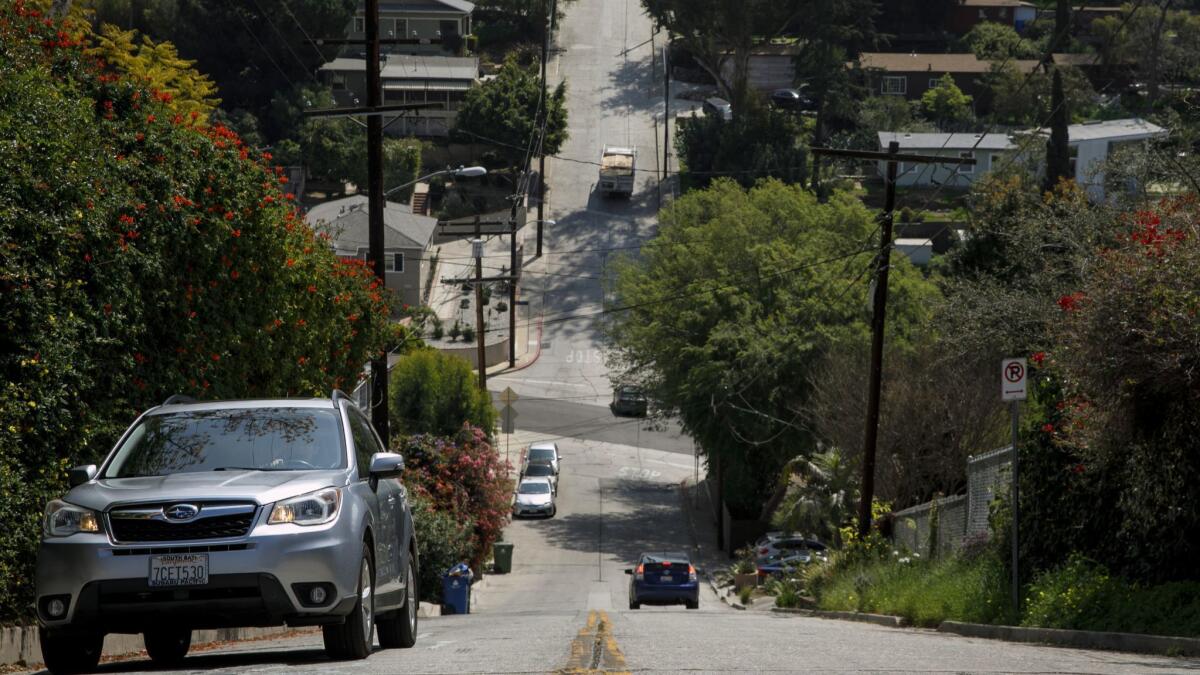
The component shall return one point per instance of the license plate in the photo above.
(666, 578)
(185, 569)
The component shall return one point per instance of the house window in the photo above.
(933, 82)
(448, 28)
(895, 84)
(397, 262)
(966, 168)
(360, 24)
(339, 81)
(1074, 153)
(395, 28)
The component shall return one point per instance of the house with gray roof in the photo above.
(440, 82)
(988, 151)
(434, 26)
(407, 241)
(1092, 143)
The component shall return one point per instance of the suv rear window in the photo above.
(264, 439)
(539, 470)
(541, 454)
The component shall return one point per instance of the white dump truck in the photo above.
(617, 169)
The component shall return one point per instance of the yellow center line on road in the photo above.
(594, 649)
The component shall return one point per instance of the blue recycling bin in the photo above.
(456, 590)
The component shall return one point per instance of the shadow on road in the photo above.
(638, 516)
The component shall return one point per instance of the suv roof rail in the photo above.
(339, 394)
(178, 398)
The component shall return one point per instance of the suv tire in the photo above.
(399, 629)
(71, 653)
(352, 639)
(692, 604)
(168, 646)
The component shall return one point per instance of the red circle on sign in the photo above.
(1014, 372)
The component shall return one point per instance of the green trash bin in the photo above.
(502, 553)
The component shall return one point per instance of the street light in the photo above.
(461, 172)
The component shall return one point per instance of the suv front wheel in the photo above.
(352, 640)
(75, 653)
(168, 646)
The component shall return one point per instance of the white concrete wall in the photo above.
(1092, 154)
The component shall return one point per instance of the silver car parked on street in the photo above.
(231, 514)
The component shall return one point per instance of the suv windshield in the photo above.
(541, 454)
(534, 488)
(263, 439)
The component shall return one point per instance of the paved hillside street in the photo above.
(627, 485)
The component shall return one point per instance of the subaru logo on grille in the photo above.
(181, 512)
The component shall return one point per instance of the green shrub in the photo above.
(1083, 595)
(468, 333)
(744, 595)
(924, 592)
(433, 393)
(444, 540)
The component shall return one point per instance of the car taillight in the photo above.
(640, 573)
(691, 573)
(763, 550)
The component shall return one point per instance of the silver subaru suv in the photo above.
(231, 514)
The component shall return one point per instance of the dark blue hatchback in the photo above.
(664, 579)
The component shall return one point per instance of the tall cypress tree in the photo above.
(1058, 149)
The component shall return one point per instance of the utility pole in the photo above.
(379, 371)
(666, 106)
(879, 307)
(477, 250)
(541, 214)
(512, 285)
(373, 111)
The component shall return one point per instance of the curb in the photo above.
(1080, 639)
(885, 620)
(19, 645)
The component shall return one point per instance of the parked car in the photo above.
(535, 497)
(776, 544)
(718, 107)
(230, 514)
(780, 565)
(792, 99)
(664, 579)
(540, 470)
(544, 452)
(629, 400)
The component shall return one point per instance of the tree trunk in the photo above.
(1155, 58)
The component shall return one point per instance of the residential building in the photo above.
(970, 13)
(1094, 142)
(1091, 144)
(438, 26)
(911, 75)
(440, 82)
(407, 241)
(988, 151)
(770, 67)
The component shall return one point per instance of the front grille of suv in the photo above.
(141, 524)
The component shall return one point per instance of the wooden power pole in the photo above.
(879, 306)
(379, 371)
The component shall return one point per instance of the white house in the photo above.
(439, 82)
(1094, 142)
(1091, 144)
(988, 151)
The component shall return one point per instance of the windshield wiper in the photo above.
(241, 468)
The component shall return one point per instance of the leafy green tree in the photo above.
(824, 498)
(504, 111)
(433, 393)
(946, 104)
(725, 315)
(997, 41)
(1009, 99)
(141, 256)
(1161, 42)
(758, 144)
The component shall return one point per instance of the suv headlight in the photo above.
(63, 519)
(314, 508)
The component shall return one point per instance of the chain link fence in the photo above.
(941, 526)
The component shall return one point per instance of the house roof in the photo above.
(937, 63)
(992, 3)
(1132, 128)
(414, 67)
(948, 142)
(346, 222)
(459, 6)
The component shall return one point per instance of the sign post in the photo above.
(508, 416)
(1013, 379)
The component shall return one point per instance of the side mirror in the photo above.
(81, 474)
(386, 465)
(628, 571)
